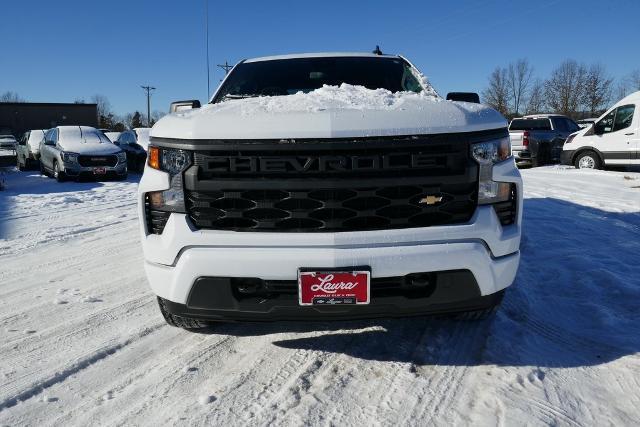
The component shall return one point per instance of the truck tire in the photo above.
(43, 171)
(542, 157)
(179, 321)
(482, 314)
(21, 167)
(57, 173)
(587, 160)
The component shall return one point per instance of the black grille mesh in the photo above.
(89, 161)
(357, 209)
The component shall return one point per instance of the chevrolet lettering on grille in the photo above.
(311, 164)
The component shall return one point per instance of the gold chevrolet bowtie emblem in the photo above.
(430, 200)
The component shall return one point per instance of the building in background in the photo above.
(19, 117)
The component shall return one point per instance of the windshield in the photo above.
(289, 76)
(530, 124)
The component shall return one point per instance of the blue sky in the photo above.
(59, 51)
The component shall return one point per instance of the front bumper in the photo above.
(74, 170)
(566, 157)
(182, 256)
(522, 156)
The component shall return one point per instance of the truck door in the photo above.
(613, 136)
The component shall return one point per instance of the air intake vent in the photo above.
(156, 220)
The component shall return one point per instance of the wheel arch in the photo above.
(584, 149)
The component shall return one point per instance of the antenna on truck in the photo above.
(377, 51)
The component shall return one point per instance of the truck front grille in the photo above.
(90, 161)
(333, 185)
(332, 209)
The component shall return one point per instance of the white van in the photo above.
(613, 140)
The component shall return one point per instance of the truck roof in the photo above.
(320, 55)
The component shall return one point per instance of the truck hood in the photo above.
(329, 112)
(91, 148)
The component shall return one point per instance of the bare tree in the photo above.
(497, 95)
(519, 76)
(9, 96)
(103, 104)
(597, 90)
(536, 103)
(633, 80)
(564, 89)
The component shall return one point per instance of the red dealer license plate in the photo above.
(99, 171)
(333, 287)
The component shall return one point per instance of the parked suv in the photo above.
(28, 150)
(136, 155)
(80, 152)
(613, 140)
(537, 140)
(328, 186)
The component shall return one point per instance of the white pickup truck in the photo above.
(328, 186)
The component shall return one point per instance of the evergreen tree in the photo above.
(136, 120)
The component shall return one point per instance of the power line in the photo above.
(148, 89)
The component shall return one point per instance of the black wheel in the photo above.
(484, 313)
(57, 173)
(587, 160)
(43, 171)
(541, 157)
(179, 321)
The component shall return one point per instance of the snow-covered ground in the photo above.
(82, 341)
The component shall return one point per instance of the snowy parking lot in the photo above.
(83, 343)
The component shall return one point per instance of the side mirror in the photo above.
(464, 97)
(184, 105)
(116, 143)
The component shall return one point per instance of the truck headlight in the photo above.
(122, 157)
(69, 157)
(174, 162)
(487, 154)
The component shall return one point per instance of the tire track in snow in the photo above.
(75, 368)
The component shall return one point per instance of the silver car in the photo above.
(28, 149)
(81, 152)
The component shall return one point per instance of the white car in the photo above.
(28, 150)
(74, 152)
(328, 186)
(613, 140)
(8, 141)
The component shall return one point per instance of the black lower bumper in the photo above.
(566, 157)
(250, 299)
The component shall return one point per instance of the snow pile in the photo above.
(343, 97)
(563, 349)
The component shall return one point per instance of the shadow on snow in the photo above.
(574, 303)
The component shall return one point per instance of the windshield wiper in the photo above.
(237, 96)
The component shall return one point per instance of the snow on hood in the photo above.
(85, 140)
(329, 112)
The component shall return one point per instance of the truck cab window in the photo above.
(624, 117)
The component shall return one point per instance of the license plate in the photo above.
(333, 287)
(99, 171)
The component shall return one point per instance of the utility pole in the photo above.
(148, 89)
(206, 20)
(226, 67)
